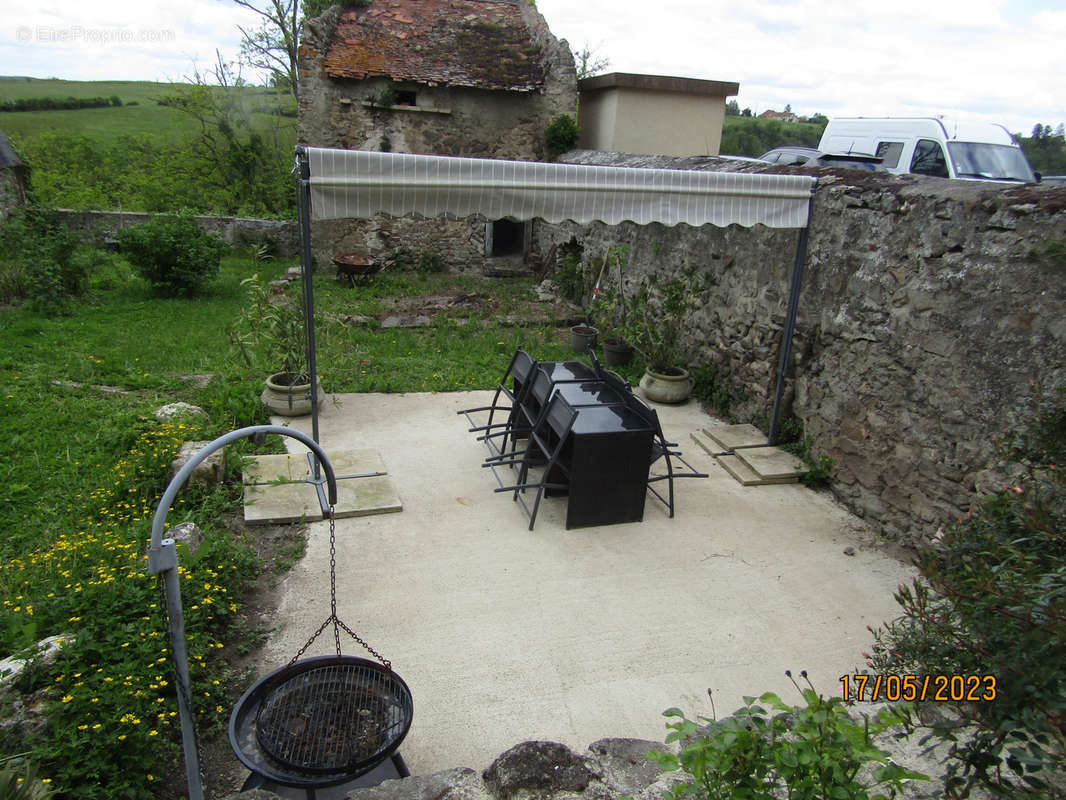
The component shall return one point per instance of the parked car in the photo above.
(932, 146)
(795, 156)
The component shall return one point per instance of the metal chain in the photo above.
(333, 618)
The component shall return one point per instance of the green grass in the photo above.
(107, 125)
(464, 350)
(81, 471)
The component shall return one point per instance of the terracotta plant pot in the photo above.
(287, 399)
(582, 337)
(661, 388)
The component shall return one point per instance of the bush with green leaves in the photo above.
(561, 135)
(992, 602)
(172, 254)
(655, 317)
(39, 257)
(806, 752)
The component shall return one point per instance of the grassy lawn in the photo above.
(83, 467)
(106, 125)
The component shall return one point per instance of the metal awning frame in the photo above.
(303, 167)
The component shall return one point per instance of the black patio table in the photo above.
(608, 453)
(609, 447)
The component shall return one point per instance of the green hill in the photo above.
(751, 136)
(148, 154)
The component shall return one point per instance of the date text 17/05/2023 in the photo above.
(910, 688)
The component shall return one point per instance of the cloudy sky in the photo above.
(994, 60)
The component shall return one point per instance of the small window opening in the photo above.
(405, 98)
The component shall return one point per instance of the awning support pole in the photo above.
(790, 319)
(308, 287)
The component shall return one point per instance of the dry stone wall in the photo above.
(927, 307)
(281, 236)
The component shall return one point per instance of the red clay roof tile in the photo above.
(483, 44)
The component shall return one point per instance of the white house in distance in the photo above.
(652, 114)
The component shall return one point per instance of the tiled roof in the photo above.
(484, 44)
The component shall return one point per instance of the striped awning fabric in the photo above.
(360, 183)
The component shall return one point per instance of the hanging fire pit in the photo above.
(321, 721)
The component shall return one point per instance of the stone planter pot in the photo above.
(617, 352)
(582, 337)
(286, 399)
(661, 388)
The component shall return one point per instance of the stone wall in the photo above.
(448, 120)
(283, 236)
(927, 307)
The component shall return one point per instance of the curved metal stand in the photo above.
(163, 559)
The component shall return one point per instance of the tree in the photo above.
(732, 109)
(588, 63)
(274, 44)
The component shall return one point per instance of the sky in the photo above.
(989, 60)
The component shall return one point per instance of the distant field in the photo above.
(105, 125)
(750, 136)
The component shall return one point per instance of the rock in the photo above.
(849, 550)
(45, 652)
(356, 319)
(419, 321)
(538, 766)
(188, 534)
(210, 470)
(460, 783)
(625, 769)
(180, 410)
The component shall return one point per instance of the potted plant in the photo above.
(654, 323)
(582, 337)
(272, 333)
(608, 309)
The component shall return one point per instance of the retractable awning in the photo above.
(359, 183)
(346, 184)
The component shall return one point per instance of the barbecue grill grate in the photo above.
(334, 718)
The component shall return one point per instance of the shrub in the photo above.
(561, 135)
(172, 254)
(811, 752)
(992, 602)
(430, 263)
(39, 252)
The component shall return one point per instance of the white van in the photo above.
(931, 146)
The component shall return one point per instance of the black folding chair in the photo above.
(517, 373)
(527, 410)
(549, 437)
(661, 449)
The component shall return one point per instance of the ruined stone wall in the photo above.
(281, 236)
(447, 120)
(926, 308)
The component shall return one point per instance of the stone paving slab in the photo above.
(276, 490)
(732, 437)
(296, 467)
(772, 463)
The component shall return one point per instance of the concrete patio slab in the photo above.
(731, 437)
(506, 634)
(772, 463)
(277, 487)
